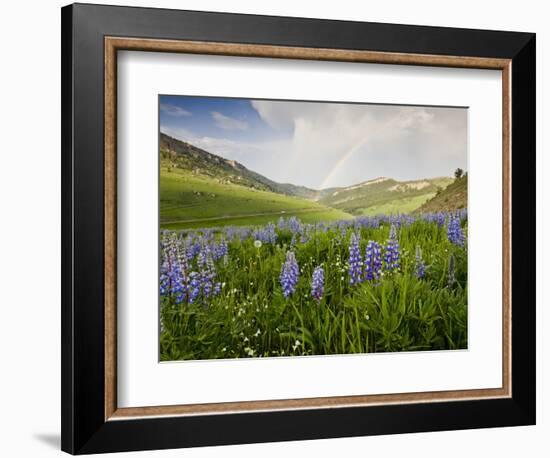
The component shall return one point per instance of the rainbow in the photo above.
(340, 162)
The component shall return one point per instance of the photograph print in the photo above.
(299, 228)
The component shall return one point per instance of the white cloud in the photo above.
(342, 144)
(325, 145)
(178, 133)
(226, 148)
(173, 110)
(227, 123)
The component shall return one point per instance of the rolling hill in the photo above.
(383, 195)
(186, 156)
(200, 189)
(190, 200)
(453, 197)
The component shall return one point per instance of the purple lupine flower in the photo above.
(220, 250)
(192, 247)
(294, 224)
(318, 283)
(270, 234)
(407, 220)
(289, 274)
(373, 261)
(194, 286)
(391, 254)
(454, 230)
(420, 266)
(231, 232)
(172, 280)
(207, 271)
(321, 227)
(438, 217)
(243, 233)
(266, 234)
(451, 277)
(355, 261)
(202, 284)
(281, 224)
(394, 220)
(173, 268)
(217, 288)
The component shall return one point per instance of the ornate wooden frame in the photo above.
(92, 35)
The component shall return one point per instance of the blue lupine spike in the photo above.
(318, 283)
(173, 269)
(373, 261)
(454, 230)
(355, 261)
(289, 274)
(391, 253)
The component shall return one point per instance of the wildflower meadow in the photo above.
(289, 288)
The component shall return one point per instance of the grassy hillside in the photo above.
(403, 205)
(201, 188)
(191, 200)
(453, 197)
(383, 195)
(186, 156)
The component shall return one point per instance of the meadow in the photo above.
(190, 200)
(283, 286)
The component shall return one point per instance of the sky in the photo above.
(322, 144)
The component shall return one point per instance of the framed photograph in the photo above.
(281, 228)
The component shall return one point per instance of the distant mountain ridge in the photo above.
(382, 192)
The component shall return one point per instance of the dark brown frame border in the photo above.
(114, 44)
(88, 423)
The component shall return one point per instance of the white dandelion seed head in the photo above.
(258, 243)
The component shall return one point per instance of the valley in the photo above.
(201, 189)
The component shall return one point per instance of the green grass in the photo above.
(404, 205)
(453, 197)
(191, 201)
(386, 196)
(251, 317)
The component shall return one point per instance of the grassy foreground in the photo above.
(223, 295)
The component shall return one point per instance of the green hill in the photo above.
(186, 156)
(199, 188)
(191, 200)
(383, 195)
(453, 197)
